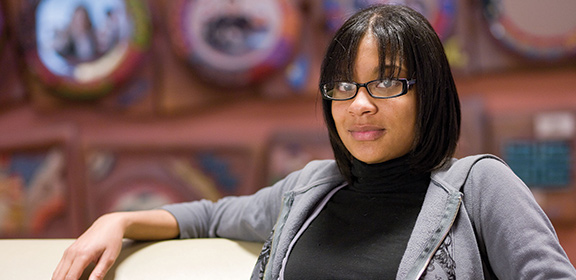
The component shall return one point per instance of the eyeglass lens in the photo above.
(377, 88)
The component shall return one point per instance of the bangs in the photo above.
(340, 64)
(392, 49)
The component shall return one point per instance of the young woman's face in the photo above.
(375, 130)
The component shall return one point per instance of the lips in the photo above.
(366, 133)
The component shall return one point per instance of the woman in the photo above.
(78, 42)
(391, 204)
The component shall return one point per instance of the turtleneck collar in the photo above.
(390, 176)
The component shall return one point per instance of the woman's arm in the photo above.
(249, 218)
(102, 242)
(519, 239)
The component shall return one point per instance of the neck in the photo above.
(391, 176)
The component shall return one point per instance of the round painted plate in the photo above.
(440, 13)
(234, 43)
(534, 28)
(83, 49)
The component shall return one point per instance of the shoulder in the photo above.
(484, 176)
(476, 164)
(313, 173)
(488, 186)
(320, 170)
(486, 170)
(328, 165)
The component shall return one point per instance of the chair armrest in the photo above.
(217, 258)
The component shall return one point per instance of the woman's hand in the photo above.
(100, 244)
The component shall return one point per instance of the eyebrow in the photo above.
(391, 69)
(386, 67)
(392, 66)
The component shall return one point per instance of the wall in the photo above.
(167, 133)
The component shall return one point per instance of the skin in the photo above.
(375, 130)
(102, 242)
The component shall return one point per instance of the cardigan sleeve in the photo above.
(249, 218)
(519, 239)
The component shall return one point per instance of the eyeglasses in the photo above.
(382, 88)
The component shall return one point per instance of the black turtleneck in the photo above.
(363, 230)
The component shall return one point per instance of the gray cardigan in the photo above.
(490, 227)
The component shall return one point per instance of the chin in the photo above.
(370, 160)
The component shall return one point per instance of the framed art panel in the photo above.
(542, 164)
(39, 195)
(543, 160)
(121, 178)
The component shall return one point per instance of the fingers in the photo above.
(71, 266)
(104, 264)
(100, 244)
(79, 264)
(74, 262)
(62, 268)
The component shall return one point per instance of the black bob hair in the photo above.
(406, 36)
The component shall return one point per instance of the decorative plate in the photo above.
(83, 49)
(552, 36)
(234, 43)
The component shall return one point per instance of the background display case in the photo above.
(37, 179)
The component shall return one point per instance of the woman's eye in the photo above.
(345, 87)
(385, 83)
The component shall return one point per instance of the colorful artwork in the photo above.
(234, 43)
(145, 179)
(551, 37)
(83, 49)
(32, 192)
(540, 164)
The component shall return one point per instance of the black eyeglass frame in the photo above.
(405, 87)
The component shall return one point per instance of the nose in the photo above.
(362, 103)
